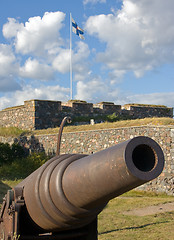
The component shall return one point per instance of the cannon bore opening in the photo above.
(144, 158)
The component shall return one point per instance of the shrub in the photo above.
(17, 151)
(9, 153)
(81, 119)
(5, 153)
(22, 167)
(113, 118)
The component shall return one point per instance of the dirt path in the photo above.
(161, 208)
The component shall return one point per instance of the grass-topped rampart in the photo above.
(144, 105)
(15, 132)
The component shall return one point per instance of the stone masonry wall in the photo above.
(93, 141)
(47, 114)
(34, 114)
(22, 116)
(143, 112)
(40, 114)
(107, 108)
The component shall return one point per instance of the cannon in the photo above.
(62, 198)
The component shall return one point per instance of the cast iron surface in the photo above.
(70, 190)
(64, 121)
(111, 172)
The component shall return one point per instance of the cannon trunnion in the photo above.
(61, 199)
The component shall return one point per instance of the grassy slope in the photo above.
(106, 125)
(126, 123)
(113, 224)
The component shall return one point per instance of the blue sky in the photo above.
(127, 55)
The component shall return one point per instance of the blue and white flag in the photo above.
(77, 30)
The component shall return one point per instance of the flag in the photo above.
(77, 30)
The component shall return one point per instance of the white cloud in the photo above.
(5, 102)
(80, 61)
(56, 93)
(11, 28)
(8, 69)
(43, 92)
(40, 39)
(80, 54)
(61, 62)
(138, 37)
(35, 70)
(38, 35)
(7, 60)
(152, 98)
(86, 91)
(93, 1)
(96, 90)
(40, 43)
(93, 91)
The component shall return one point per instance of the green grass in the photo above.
(113, 224)
(144, 105)
(108, 125)
(15, 132)
(12, 132)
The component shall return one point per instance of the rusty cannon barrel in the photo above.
(68, 192)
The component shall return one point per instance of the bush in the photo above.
(14, 163)
(9, 153)
(80, 119)
(5, 153)
(17, 151)
(113, 118)
(21, 168)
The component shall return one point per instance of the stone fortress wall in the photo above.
(40, 114)
(88, 142)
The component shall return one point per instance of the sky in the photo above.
(127, 55)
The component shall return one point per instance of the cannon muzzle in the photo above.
(70, 190)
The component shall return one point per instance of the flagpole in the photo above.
(71, 77)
